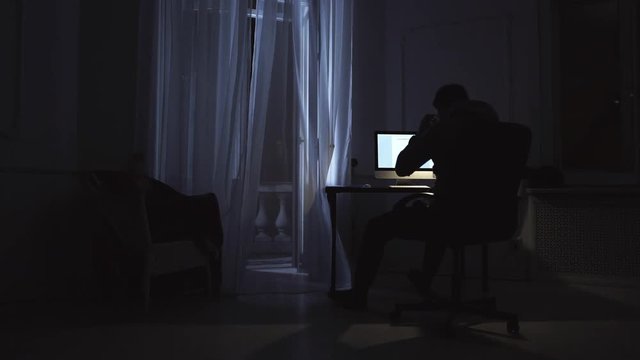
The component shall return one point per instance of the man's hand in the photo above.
(427, 122)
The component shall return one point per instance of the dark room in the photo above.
(320, 179)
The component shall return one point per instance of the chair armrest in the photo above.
(407, 200)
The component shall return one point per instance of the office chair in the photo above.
(505, 151)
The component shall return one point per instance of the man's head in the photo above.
(447, 97)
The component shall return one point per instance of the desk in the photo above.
(332, 194)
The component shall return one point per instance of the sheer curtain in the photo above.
(213, 88)
(322, 46)
(201, 135)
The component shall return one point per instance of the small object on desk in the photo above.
(366, 185)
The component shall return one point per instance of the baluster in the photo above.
(262, 220)
(282, 221)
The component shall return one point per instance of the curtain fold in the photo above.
(262, 64)
(200, 133)
(212, 91)
(323, 42)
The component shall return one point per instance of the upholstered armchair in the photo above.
(158, 229)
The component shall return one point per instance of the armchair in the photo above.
(159, 230)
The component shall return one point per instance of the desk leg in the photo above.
(331, 196)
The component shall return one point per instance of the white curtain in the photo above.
(201, 134)
(213, 87)
(323, 47)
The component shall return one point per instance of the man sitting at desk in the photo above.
(452, 140)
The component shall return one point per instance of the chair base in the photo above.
(485, 307)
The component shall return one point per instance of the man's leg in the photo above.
(407, 223)
(434, 249)
(376, 235)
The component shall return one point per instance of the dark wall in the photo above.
(107, 43)
(78, 86)
(369, 83)
(78, 96)
(45, 132)
(491, 46)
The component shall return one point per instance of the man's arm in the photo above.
(416, 153)
(428, 121)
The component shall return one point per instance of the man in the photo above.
(451, 141)
(446, 98)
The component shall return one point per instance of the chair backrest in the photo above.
(122, 204)
(511, 151)
(486, 183)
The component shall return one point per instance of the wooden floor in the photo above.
(558, 321)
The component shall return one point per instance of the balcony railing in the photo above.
(273, 241)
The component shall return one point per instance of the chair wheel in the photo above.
(513, 327)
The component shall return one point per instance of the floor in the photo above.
(558, 320)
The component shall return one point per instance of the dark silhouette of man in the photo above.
(451, 141)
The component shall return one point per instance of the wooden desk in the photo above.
(333, 191)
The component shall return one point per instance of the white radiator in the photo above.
(585, 231)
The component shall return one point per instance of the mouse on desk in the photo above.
(366, 185)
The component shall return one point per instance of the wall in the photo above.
(368, 115)
(369, 83)
(490, 46)
(37, 160)
(78, 96)
(46, 133)
(107, 44)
